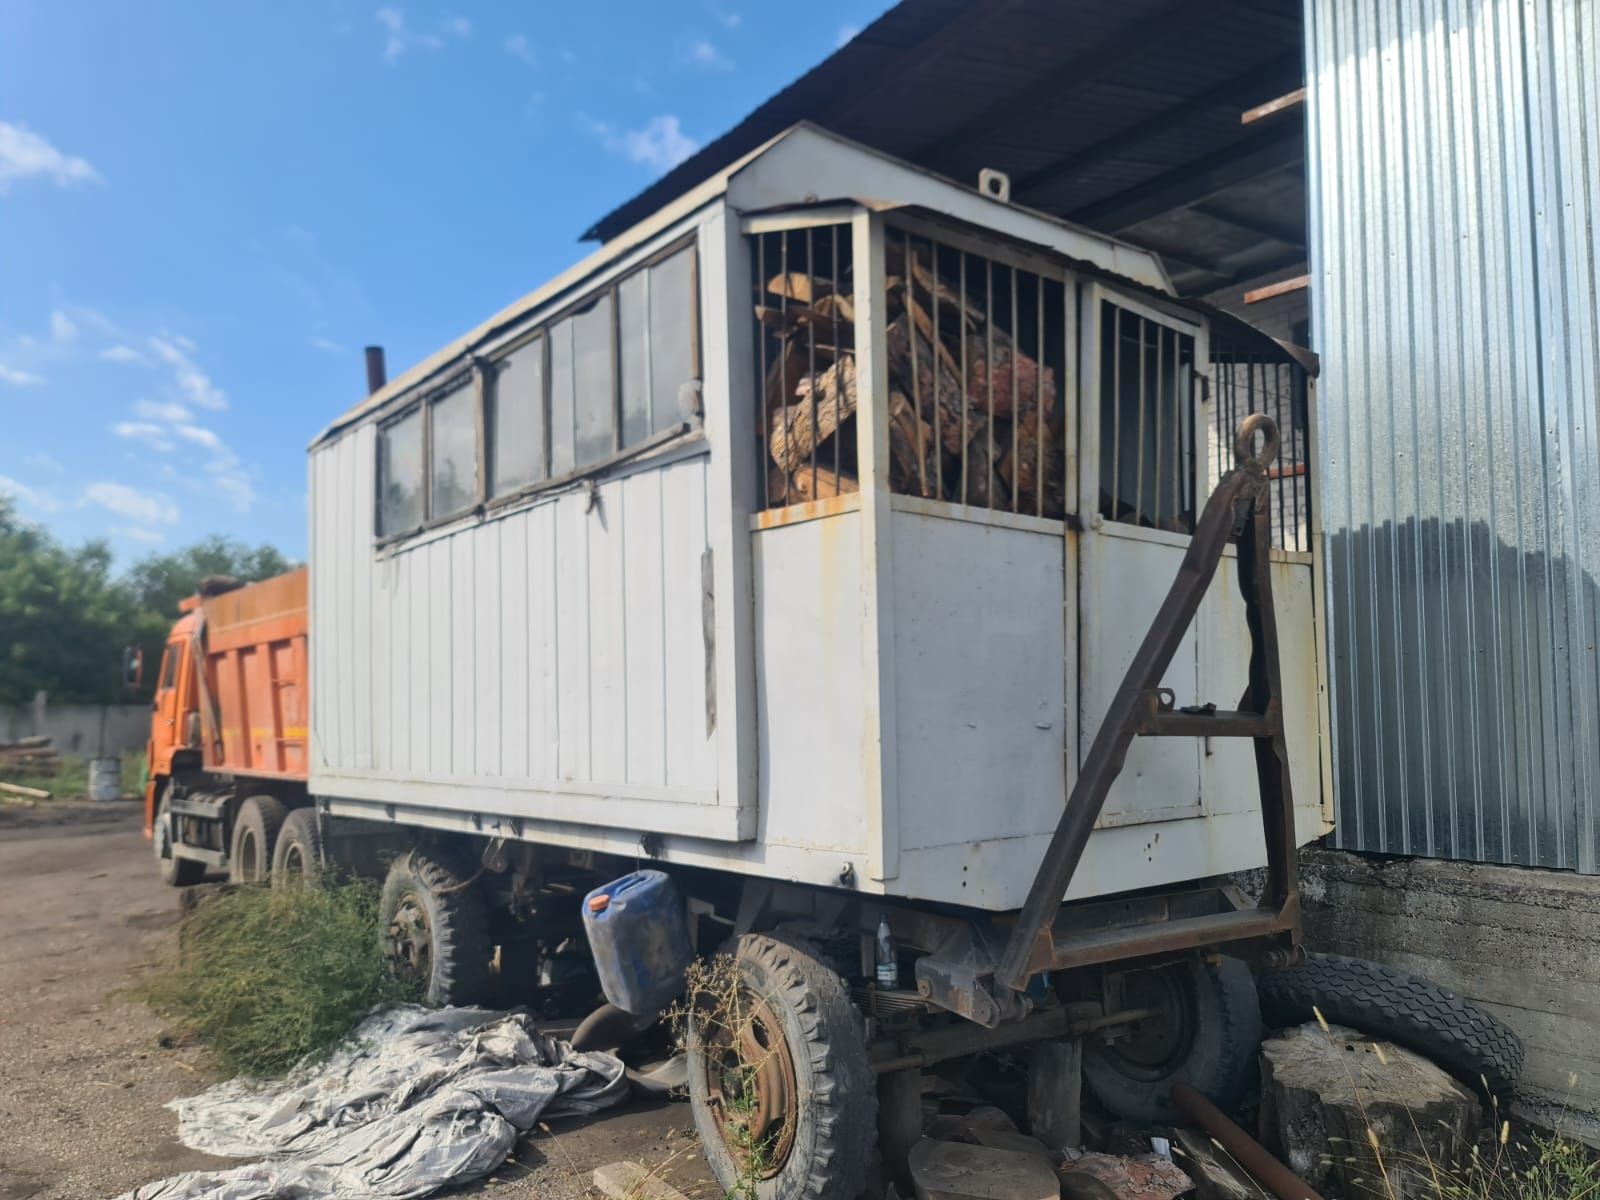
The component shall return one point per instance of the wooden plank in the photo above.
(16, 789)
(1282, 288)
(1273, 107)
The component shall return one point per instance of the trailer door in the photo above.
(1139, 498)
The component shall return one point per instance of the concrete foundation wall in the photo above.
(1522, 942)
(80, 730)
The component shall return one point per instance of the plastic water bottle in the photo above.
(888, 960)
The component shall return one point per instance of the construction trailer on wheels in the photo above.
(798, 543)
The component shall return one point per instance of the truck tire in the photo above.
(1208, 1036)
(255, 835)
(298, 857)
(435, 931)
(1371, 998)
(809, 1102)
(175, 871)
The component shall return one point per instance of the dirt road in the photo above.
(84, 1075)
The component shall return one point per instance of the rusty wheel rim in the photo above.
(410, 940)
(750, 1083)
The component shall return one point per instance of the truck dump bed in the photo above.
(254, 718)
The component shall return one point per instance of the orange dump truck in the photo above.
(228, 732)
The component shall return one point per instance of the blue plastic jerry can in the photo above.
(639, 934)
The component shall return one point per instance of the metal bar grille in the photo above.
(1250, 378)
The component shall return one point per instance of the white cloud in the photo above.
(44, 462)
(19, 378)
(122, 354)
(161, 410)
(703, 53)
(232, 486)
(175, 351)
(727, 17)
(518, 46)
(26, 155)
(328, 344)
(847, 33)
(660, 145)
(24, 494)
(202, 436)
(399, 38)
(62, 327)
(150, 536)
(150, 434)
(147, 508)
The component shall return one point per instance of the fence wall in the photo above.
(81, 730)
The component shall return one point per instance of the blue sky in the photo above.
(206, 210)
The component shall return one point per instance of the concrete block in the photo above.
(630, 1181)
(956, 1171)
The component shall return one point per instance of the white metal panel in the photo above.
(543, 730)
(979, 688)
(465, 611)
(571, 587)
(435, 642)
(810, 677)
(487, 647)
(515, 632)
(608, 685)
(644, 620)
(691, 749)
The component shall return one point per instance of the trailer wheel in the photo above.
(255, 835)
(1412, 1012)
(784, 1098)
(1206, 1032)
(175, 871)
(297, 858)
(435, 930)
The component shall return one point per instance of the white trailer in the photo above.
(797, 541)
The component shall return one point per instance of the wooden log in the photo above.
(982, 376)
(912, 471)
(16, 789)
(797, 285)
(929, 379)
(822, 403)
(819, 483)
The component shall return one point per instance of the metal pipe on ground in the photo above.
(1247, 1152)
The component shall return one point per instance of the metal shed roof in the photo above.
(1123, 117)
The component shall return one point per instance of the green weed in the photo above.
(266, 977)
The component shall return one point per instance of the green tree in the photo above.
(159, 581)
(65, 617)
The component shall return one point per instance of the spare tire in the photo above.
(1204, 1030)
(1369, 997)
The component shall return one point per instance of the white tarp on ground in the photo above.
(415, 1100)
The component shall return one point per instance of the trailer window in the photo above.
(169, 668)
(674, 312)
(1147, 427)
(400, 474)
(562, 458)
(593, 383)
(516, 420)
(454, 443)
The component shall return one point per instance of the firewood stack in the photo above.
(36, 755)
(987, 443)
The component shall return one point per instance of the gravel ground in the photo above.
(84, 1075)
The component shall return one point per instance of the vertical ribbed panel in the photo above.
(1454, 163)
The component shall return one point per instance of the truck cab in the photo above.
(174, 743)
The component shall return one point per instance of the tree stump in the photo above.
(1348, 1112)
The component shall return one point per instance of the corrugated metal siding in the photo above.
(558, 645)
(1454, 179)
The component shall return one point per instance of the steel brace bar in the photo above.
(1238, 511)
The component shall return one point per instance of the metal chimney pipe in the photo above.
(377, 376)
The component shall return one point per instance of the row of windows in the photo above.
(597, 381)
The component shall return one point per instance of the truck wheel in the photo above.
(297, 858)
(435, 930)
(255, 835)
(1411, 1012)
(175, 871)
(784, 1098)
(1206, 1033)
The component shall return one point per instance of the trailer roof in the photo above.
(1092, 249)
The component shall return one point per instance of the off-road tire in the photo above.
(836, 1126)
(255, 836)
(175, 871)
(1216, 1053)
(1371, 998)
(298, 856)
(460, 952)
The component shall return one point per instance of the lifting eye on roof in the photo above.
(995, 184)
